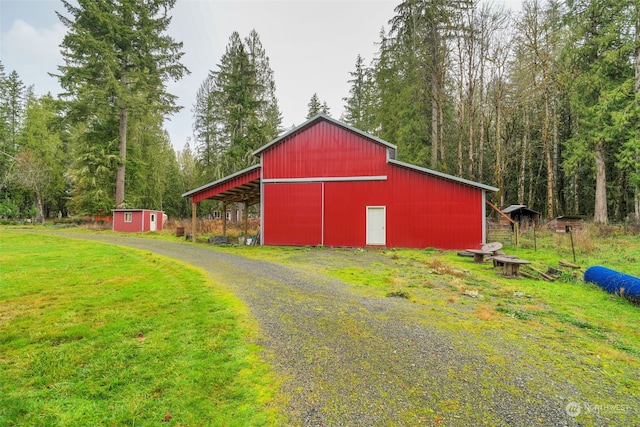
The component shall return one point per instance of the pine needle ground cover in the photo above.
(92, 334)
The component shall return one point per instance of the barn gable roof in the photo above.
(244, 185)
(314, 120)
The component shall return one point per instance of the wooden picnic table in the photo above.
(492, 247)
(487, 249)
(510, 265)
(479, 254)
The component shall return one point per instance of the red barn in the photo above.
(327, 183)
(137, 220)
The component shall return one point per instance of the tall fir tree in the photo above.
(118, 58)
(269, 116)
(236, 110)
(602, 77)
(40, 161)
(13, 96)
(359, 104)
(12, 106)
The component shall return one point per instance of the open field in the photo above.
(567, 331)
(92, 334)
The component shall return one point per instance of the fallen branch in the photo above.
(527, 275)
(545, 276)
(568, 264)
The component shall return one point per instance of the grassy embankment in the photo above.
(92, 334)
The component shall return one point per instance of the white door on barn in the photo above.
(376, 225)
(152, 222)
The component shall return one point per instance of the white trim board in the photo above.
(326, 179)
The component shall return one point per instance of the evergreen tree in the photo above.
(316, 107)
(12, 104)
(602, 78)
(206, 126)
(269, 116)
(402, 113)
(419, 39)
(359, 103)
(117, 60)
(40, 160)
(236, 110)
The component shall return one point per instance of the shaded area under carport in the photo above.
(240, 187)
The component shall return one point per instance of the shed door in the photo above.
(152, 222)
(376, 225)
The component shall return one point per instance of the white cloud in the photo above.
(33, 52)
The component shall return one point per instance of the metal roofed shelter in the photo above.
(327, 183)
(522, 214)
(240, 187)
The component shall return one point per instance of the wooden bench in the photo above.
(510, 266)
(479, 254)
(487, 249)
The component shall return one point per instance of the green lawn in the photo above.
(92, 334)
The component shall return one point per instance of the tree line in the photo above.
(543, 104)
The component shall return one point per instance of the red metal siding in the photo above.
(147, 220)
(324, 150)
(292, 214)
(421, 211)
(345, 212)
(140, 221)
(134, 226)
(227, 185)
(428, 211)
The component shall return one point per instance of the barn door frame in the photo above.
(376, 233)
(153, 224)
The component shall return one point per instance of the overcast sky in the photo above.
(312, 46)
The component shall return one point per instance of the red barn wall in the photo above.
(429, 211)
(324, 150)
(293, 214)
(421, 211)
(131, 227)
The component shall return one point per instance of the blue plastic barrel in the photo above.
(614, 282)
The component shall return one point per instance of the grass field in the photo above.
(93, 334)
(95, 337)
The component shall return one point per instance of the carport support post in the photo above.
(224, 219)
(193, 220)
(246, 221)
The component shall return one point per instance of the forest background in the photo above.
(543, 104)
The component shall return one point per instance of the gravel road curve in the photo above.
(348, 360)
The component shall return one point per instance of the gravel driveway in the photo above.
(348, 360)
